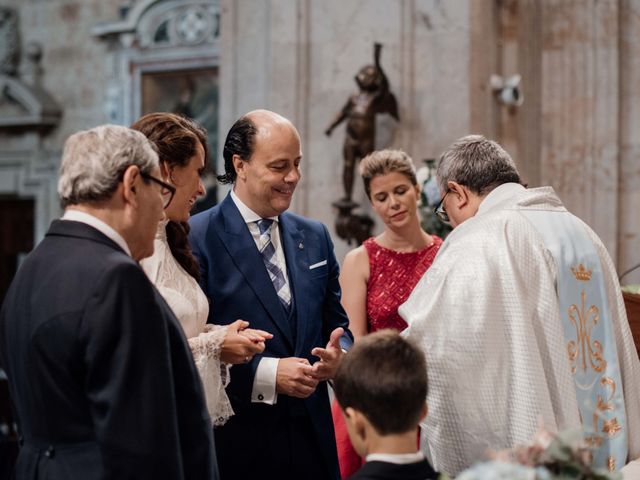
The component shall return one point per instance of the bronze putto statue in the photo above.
(360, 110)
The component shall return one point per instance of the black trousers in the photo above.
(279, 444)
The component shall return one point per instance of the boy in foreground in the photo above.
(381, 386)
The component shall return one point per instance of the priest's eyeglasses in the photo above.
(439, 209)
(167, 191)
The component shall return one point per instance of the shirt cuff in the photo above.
(264, 382)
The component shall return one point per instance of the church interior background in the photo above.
(557, 82)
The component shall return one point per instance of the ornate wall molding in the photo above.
(156, 36)
(24, 106)
(153, 24)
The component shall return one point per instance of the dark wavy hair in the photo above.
(176, 138)
(240, 141)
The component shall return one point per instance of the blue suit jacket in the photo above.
(237, 283)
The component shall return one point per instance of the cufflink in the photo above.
(260, 397)
(301, 246)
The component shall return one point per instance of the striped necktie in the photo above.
(269, 257)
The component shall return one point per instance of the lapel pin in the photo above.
(300, 246)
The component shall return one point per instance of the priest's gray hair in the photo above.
(477, 163)
(93, 162)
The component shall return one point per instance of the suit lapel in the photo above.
(238, 241)
(295, 252)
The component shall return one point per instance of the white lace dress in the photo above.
(188, 302)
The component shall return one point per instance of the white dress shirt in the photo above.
(88, 219)
(264, 382)
(397, 458)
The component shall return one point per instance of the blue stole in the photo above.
(588, 334)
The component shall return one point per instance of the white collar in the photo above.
(499, 195)
(397, 458)
(88, 219)
(248, 215)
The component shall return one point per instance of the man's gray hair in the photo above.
(477, 163)
(93, 162)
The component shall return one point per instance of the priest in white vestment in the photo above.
(521, 319)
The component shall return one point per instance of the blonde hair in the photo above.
(382, 162)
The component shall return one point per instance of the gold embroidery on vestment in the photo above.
(587, 354)
(610, 426)
(581, 273)
(582, 347)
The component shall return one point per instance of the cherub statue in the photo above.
(360, 111)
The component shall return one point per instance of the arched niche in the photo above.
(165, 57)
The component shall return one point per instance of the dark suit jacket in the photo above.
(377, 470)
(237, 283)
(100, 373)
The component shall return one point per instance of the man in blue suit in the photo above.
(278, 271)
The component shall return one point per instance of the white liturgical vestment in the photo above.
(487, 316)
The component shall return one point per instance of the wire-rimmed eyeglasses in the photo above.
(439, 210)
(167, 191)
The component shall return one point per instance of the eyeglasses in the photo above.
(167, 191)
(439, 209)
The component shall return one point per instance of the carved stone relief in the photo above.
(165, 57)
(27, 113)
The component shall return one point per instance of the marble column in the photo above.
(629, 137)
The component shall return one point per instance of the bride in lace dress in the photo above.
(182, 150)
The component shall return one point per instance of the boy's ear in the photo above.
(357, 426)
(423, 411)
(358, 420)
(349, 413)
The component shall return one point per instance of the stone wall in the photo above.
(73, 60)
(628, 200)
(74, 78)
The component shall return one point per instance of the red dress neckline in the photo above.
(392, 277)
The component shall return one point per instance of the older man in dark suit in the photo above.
(278, 271)
(100, 373)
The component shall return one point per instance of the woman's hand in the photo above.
(256, 336)
(240, 345)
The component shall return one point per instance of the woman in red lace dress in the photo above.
(378, 276)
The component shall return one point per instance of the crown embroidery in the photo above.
(581, 273)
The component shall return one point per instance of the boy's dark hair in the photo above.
(384, 376)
